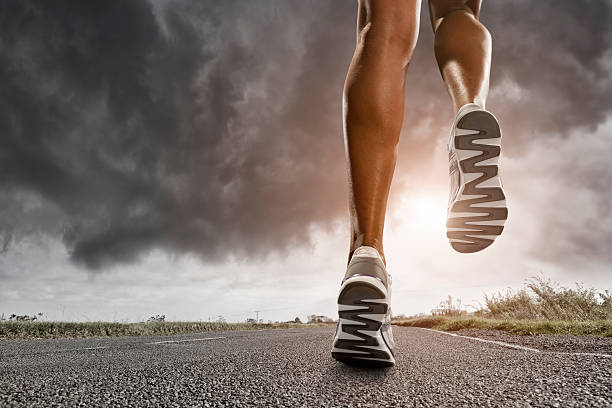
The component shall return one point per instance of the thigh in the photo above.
(440, 8)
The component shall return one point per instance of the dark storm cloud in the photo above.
(175, 126)
(559, 54)
(214, 127)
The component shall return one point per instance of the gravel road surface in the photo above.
(293, 368)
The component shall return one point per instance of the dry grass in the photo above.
(539, 307)
(34, 329)
(541, 299)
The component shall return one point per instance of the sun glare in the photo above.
(423, 214)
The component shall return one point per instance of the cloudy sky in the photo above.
(186, 158)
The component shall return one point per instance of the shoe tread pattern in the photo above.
(467, 234)
(361, 348)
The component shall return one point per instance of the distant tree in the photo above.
(23, 318)
(297, 320)
(251, 320)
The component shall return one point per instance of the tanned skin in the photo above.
(374, 93)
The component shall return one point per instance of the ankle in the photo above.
(368, 250)
(468, 106)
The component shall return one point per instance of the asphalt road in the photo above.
(293, 368)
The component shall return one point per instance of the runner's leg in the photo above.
(477, 208)
(462, 48)
(373, 109)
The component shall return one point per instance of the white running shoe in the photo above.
(477, 203)
(363, 335)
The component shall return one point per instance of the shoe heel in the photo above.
(362, 307)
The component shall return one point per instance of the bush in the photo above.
(448, 307)
(542, 299)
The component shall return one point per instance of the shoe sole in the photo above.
(478, 213)
(362, 306)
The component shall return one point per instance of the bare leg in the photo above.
(477, 203)
(463, 49)
(373, 109)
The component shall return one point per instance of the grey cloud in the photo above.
(181, 135)
(214, 127)
(557, 53)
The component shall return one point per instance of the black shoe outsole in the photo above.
(356, 362)
(488, 128)
(352, 295)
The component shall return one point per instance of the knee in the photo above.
(395, 34)
(466, 10)
(442, 8)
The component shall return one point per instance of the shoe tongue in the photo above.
(366, 251)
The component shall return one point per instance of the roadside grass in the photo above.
(539, 307)
(539, 298)
(517, 326)
(47, 330)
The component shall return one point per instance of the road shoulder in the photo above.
(544, 342)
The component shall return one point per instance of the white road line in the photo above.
(185, 341)
(517, 347)
(499, 343)
(583, 354)
(79, 349)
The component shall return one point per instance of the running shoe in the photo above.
(477, 203)
(363, 335)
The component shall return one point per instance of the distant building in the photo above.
(319, 319)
